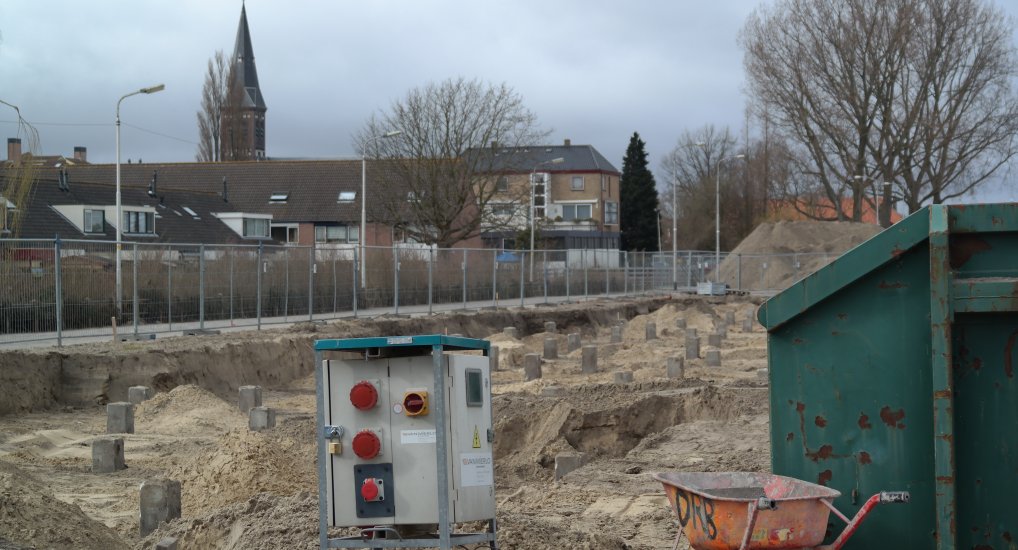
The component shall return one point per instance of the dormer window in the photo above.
(7, 210)
(278, 198)
(347, 196)
(94, 220)
(139, 223)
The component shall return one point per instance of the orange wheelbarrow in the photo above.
(744, 510)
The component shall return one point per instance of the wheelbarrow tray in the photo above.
(715, 509)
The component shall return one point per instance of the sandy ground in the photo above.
(243, 489)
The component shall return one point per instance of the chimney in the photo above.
(494, 144)
(568, 142)
(152, 184)
(80, 153)
(14, 150)
(226, 197)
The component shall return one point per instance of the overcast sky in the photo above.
(593, 71)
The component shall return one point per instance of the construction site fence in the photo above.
(59, 290)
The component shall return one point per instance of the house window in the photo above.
(139, 223)
(604, 183)
(572, 212)
(337, 234)
(502, 209)
(502, 184)
(94, 220)
(577, 183)
(278, 198)
(256, 228)
(611, 213)
(347, 196)
(7, 210)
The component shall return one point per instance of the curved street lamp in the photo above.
(120, 214)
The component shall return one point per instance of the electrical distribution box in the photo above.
(386, 411)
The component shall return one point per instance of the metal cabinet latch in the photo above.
(332, 432)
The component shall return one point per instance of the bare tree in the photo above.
(441, 169)
(18, 180)
(914, 92)
(214, 98)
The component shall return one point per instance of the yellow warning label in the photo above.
(477, 438)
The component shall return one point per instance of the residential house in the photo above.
(576, 197)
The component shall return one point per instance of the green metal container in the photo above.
(892, 368)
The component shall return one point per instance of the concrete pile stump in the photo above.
(680, 323)
(651, 330)
(573, 342)
(261, 418)
(107, 455)
(723, 330)
(550, 348)
(160, 502)
(691, 333)
(713, 358)
(567, 462)
(623, 377)
(531, 367)
(747, 325)
(250, 397)
(120, 418)
(676, 367)
(138, 394)
(714, 339)
(588, 363)
(730, 317)
(509, 331)
(692, 348)
(616, 335)
(549, 327)
(168, 543)
(493, 357)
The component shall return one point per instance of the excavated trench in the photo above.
(89, 373)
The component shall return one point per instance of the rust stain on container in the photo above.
(820, 421)
(825, 452)
(893, 418)
(1008, 351)
(891, 286)
(824, 477)
(864, 458)
(864, 422)
(790, 436)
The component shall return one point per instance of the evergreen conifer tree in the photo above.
(638, 198)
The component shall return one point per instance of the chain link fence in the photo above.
(57, 290)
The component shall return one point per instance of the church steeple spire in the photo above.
(249, 131)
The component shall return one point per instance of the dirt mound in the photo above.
(809, 245)
(188, 410)
(242, 463)
(263, 522)
(30, 515)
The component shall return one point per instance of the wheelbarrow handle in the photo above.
(884, 497)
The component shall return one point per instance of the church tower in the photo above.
(243, 123)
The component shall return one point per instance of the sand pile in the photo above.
(263, 522)
(817, 243)
(31, 516)
(243, 463)
(188, 410)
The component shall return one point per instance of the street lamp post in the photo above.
(717, 219)
(120, 215)
(675, 241)
(364, 196)
(533, 190)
